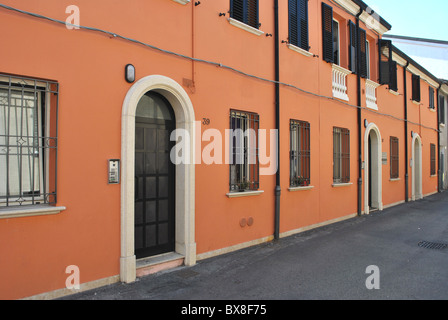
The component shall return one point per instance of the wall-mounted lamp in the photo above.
(412, 134)
(130, 73)
(366, 123)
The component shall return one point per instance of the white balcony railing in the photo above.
(371, 94)
(340, 82)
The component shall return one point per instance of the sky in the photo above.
(414, 18)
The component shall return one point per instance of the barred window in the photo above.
(300, 153)
(244, 162)
(433, 159)
(341, 155)
(394, 158)
(28, 141)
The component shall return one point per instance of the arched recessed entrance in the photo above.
(417, 192)
(154, 203)
(176, 100)
(373, 199)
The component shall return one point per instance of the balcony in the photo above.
(371, 94)
(340, 82)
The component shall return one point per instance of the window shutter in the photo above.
(252, 13)
(416, 88)
(237, 9)
(441, 107)
(302, 8)
(385, 62)
(431, 98)
(363, 52)
(245, 11)
(352, 47)
(393, 85)
(327, 33)
(293, 25)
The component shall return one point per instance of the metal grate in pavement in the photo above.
(432, 245)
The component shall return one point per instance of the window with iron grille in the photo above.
(300, 153)
(244, 162)
(341, 155)
(394, 158)
(433, 159)
(298, 23)
(245, 11)
(28, 141)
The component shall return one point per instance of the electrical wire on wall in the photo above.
(217, 64)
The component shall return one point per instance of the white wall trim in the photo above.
(185, 173)
(29, 211)
(317, 225)
(417, 191)
(245, 27)
(244, 194)
(182, 1)
(379, 177)
(233, 248)
(304, 188)
(66, 292)
(300, 50)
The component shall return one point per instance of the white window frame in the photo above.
(338, 43)
(43, 89)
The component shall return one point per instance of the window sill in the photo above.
(339, 185)
(415, 102)
(29, 211)
(245, 27)
(433, 176)
(244, 194)
(293, 189)
(182, 1)
(442, 125)
(394, 179)
(300, 50)
(395, 93)
(432, 109)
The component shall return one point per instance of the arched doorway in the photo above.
(417, 192)
(169, 93)
(154, 203)
(372, 169)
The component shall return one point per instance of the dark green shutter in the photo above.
(363, 53)
(327, 33)
(245, 11)
(298, 23)
(352, 47)
(416, 88)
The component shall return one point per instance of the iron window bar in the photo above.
(394, 158)
(300, 153)
(244, 151)
(341, 155)
(28, 141)
(433, 158)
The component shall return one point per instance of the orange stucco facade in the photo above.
(89, 67)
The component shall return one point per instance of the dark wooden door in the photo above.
(154, 184)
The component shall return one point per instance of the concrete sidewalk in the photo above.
(327, 263)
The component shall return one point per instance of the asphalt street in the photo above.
(395, 254)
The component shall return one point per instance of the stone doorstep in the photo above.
(151, 265)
